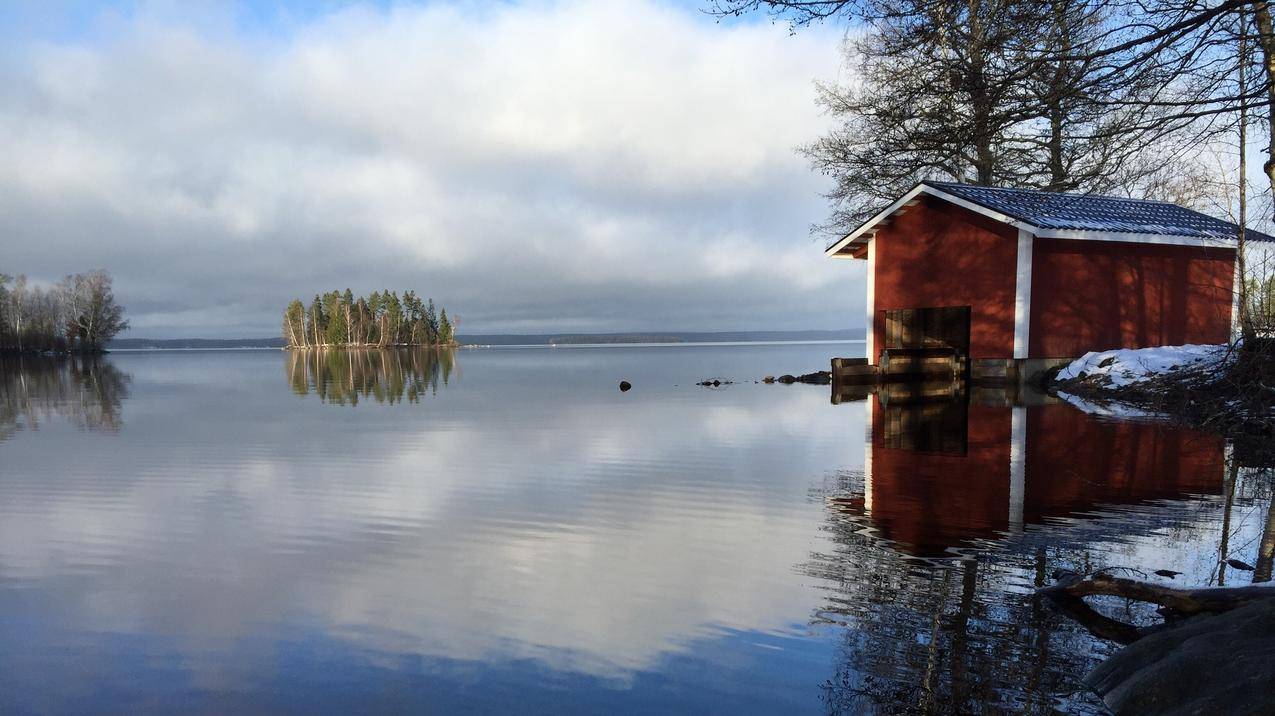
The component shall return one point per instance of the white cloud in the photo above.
(569, 165)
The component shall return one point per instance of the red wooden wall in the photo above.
(1098, 295)
(938, 254)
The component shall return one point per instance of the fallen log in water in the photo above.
(1180, 602)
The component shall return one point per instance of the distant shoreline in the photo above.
(537, 339)
(479, 346)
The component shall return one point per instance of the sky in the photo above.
(533, 166)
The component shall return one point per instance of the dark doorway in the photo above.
(945, 327)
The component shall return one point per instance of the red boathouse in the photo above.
(1038, 278)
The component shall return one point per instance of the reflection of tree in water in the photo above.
(86, 390)
(957, 635)
(386, 376)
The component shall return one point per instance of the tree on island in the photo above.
(77, 315)
(341, 319)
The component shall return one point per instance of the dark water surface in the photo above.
(504, 531)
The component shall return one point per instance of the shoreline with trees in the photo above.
(339, 319)
(77, 315)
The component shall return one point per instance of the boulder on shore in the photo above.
(1220, 664)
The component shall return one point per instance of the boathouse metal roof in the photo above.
(1061, 215)
(1085, 212)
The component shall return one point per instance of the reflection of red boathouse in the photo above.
(941, 474)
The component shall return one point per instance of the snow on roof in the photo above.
(1084, 212)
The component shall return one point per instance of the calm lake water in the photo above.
(504, 531)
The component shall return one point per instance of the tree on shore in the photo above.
(383, 318)
(78, 314)
(93, 317)
(1067, 95)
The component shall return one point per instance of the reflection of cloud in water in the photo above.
(585, 538)
(531, 529)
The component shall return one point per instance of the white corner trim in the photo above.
(1017, 466)
(867, 453)
(1023, 295)
(1236, 278)
(870, 303)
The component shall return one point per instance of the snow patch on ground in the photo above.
(1127, 366)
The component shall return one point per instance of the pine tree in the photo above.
(334, 332)
(431, 322)
(394, 318)
(444, 328)
(316, 320)
(375, 306)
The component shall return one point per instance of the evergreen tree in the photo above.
(334, 332)
(394, 318)
(375, 307)
(431, 322)
(317, 326)
(444, 328)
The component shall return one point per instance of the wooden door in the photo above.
(941, 327)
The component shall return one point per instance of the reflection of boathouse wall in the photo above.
(1018, 465)
(1075, 463)
(933, 498)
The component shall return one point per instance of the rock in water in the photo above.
(768, 379)
(1206, 665)
(624, 386)
(819, 377)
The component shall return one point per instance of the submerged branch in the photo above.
(1069, 592)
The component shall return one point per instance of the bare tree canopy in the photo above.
(1091, 96)
(78, 314)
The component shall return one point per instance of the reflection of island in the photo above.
(939, 475)
(86, 390)
(387, 376)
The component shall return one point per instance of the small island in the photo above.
(340, 320)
